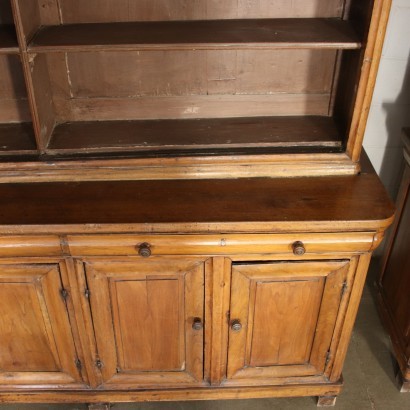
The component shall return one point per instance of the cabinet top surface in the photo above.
(230, 205)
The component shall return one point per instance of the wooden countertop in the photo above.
(319, 204)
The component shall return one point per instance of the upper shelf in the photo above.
(8, 40)
(193, 35)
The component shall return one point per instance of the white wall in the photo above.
(390, 109)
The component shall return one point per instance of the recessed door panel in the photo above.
(282, 318)
(148, 320)
(284, 322)
(36, 343)
(151, 338)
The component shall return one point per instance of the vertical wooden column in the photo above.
(39, 92)
(217, 294)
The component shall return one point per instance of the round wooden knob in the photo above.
(236, 325)
(144, 250)
(197, 324)
(298, 248)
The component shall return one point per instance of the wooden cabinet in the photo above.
(128, 299)
(394, 282)
(148, 319)
(36, 342)
(111, 90)
(282, 319)
(193, 168)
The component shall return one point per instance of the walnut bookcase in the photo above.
(151, 247)
(185, 89)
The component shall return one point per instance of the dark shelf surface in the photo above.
(17, 138)
(334, 200)
(203, 34)
(8, 40)
(195, 134)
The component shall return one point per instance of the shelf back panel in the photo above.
(13, 96)
(141, 85)
(98, 11)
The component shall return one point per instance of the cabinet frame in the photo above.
(217, 299)
(53, 295)
(245, 164)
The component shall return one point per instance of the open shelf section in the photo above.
(195, 134)
(188, 35)
(17, 138)
(8, 40)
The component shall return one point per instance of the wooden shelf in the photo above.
(204, 34)
(195, 134)
(8, 40)
(17, 139)
(200, 204)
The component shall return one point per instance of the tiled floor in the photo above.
(368, 374)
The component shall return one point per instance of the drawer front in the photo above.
(20, 246)
(287, 244)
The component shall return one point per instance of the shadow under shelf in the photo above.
(17, 139)
(8, 40)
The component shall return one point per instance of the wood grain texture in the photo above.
(41, 97)
(211, 34)
(27, 18)
(77, 11)
(371, 60)
(36, 340)
(283, 330)
(95, 396)
(195, 106)
(30, 245)
(358, 201)
(133, 74)
(350, 316)
(195, 134)
(143, 324)
(147, 317)
(182, 167)
(13, 96)
(195, 84)
(288, 313)
(210, 244)
(217, 293)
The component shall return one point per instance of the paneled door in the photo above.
(148, 319)
(36, 342)
(282, 318)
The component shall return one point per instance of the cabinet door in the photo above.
(148, 321)
(36, 343)
(282, 318)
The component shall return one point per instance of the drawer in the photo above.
(147, 245)
(21, 246)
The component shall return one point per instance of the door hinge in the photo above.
(328, 356)
(87, 293)
(78, 364)
(344, 288)
(64, 294)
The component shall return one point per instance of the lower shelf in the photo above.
(17, 139)
(197, 135)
